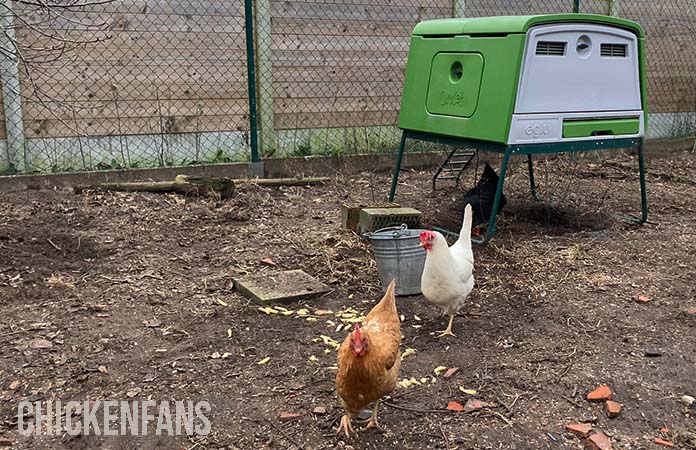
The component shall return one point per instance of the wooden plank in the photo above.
(289, 121)
(337, 89)
(168, 7)
(137, 108)
(328, 26)
(393, 3)
(338, 43)
(142, 125)
(289, 9)
(141, 42)
(103, 91)
(153, 23)
(140, 73)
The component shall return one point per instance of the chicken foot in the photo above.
(448, 331)
(345, 426)
(372, 423)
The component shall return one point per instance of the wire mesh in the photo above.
(143, 83)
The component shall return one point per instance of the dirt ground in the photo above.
(134, 294)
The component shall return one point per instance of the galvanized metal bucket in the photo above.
(399, 256)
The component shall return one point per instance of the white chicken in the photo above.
(448, 275)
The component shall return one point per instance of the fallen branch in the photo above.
(310, 181)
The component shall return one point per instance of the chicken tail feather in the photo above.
(388, 302)
(465, 232)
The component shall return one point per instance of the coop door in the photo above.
(455, 80)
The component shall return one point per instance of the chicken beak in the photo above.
(421, 244)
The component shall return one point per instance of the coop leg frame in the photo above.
(528, 150)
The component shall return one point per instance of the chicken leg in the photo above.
(448, 331)
(372, 423)
(345, 426)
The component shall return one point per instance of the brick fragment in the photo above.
(599, 441)
(612, 408)
(600, 394)
(579, 429)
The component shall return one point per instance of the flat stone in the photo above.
(319, 410)
(600, 394)
(612, 408)
(280, 287)
(579, 429)
(599, 441)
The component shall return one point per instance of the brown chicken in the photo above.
(369, 361)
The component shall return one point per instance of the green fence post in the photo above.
(576, 6)
(264, 77)
(251, 80)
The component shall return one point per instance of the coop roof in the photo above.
(514, 24)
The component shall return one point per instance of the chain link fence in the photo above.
(91, 85)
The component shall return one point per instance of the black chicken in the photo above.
(481, 198)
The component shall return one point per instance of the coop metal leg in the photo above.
(397, 167)
(643, 188)
(490, 232)
(532, 185)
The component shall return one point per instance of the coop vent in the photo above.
(613, 50)
(550, 48)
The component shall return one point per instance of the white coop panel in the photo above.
(579, 68)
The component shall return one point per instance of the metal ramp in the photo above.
(451, 169)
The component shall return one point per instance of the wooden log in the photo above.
(270, 182)
(182, 184)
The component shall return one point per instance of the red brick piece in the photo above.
(690, 311)
(642, 298)
(599, 441)
(288, 416)
(579, 429)
(663, 442)
(451, 371)
(600, 394)
(612, 408)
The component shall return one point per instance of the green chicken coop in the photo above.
(525, 85)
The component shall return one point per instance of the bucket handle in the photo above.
(398, 231)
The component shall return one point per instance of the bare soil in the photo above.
(140, 285)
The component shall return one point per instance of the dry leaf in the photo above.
(264, 360)
(102, 369)
(221, 302)
(467, 391)
(14, 385)
(269, 262)
(229, 332)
